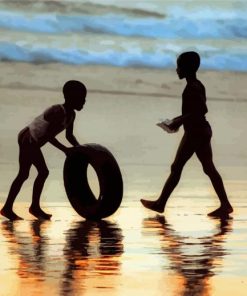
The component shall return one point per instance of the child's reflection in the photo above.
(92, 249)
(30, 250)
(193, 259)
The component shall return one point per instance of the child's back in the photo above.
(48, 124)
(194, 103)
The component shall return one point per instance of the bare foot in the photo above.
(152, 205)
(39, 213)
(221, 212)
(10, 214)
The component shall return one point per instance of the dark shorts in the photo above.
(25, 138)
(29, 151)
(199, 136)
(196, 140)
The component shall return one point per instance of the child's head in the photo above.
(187, 64)
(74, 94)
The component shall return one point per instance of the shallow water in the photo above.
(134, 251)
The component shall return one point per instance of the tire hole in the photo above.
(93, 181)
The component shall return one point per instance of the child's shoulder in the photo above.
(195, 86)
(56, 108)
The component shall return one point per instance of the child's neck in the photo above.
(67, 107)
(191, 77)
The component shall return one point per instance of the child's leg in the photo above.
(39, 162)
(24, 168)
(184, 153)
(205, 156)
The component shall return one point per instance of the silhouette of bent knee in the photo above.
(43, 174)
(23, 175)
(76, 184)
(176, 168)
(209, 169)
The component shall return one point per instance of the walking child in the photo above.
(196, 138)
(41, 130)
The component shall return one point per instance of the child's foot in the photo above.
(10, 214)
(39, 213)
(152, 205)
(221, 212)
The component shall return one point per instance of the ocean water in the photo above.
(124, 33)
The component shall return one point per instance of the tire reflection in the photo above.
(92, 250)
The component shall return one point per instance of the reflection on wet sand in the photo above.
(92, 250)
(194, 260)
(90, 257)
(30, 250)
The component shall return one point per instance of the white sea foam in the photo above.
(197, 27)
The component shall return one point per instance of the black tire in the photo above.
(76, 184)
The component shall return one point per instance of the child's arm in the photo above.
(70, 136)
(59, 145)
(178, 121)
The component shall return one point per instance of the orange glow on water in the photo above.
(132, 252)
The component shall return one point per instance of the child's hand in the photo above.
(166, 125)
(175, 124)
(174, 130)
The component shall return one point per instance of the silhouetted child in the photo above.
(41, 130)
(196, 138)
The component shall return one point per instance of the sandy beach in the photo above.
(134, 251)
(122, 109)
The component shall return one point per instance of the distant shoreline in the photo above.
(123, 81)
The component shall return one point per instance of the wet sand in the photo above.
(133, 251)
